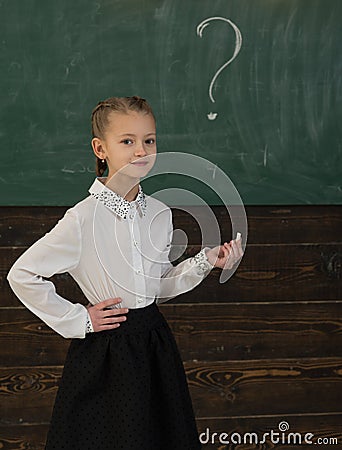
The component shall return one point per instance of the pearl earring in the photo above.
(103, 160)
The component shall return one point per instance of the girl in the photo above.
(123, 384)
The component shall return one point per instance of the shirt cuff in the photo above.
(202, 262)
(89, 325)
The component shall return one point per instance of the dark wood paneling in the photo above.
(262, 348)
(27, 394)
(218, 389)
(22, 437)
(240, 331)
(266, 387)
(25, 340)
(204, 332)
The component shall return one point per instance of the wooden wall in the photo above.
(263, 348)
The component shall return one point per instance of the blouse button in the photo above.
(140, 299)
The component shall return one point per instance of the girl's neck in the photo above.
(127, 187)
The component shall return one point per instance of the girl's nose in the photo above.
(141, 150)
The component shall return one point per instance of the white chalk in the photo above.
(238, 236)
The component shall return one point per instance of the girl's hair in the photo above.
(100, 118)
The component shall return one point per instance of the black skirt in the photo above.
(124, 389)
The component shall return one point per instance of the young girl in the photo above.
(123, 384)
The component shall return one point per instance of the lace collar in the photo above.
(113, 200)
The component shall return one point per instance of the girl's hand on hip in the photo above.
(105, 319)
(226, 255)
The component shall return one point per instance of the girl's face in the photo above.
(129, 145)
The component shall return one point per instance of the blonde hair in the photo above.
(100, 118)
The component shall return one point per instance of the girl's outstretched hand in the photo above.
(226, 255)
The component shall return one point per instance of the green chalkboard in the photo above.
(277, 131)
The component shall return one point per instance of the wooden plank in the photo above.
(22, 225)
(269, 224)
(321, 426)
(204, 332)
(34, 387)
(266, 387)
(25, 340)
(31, 437)
(267, 273)
(240, 331)
(218, 389)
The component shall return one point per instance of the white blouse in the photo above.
(112, 248)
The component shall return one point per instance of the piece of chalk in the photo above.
(238, 236)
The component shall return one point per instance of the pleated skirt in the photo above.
(124, 389)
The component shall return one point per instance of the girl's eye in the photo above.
(150, 141)
(127, 141)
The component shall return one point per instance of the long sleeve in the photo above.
(176, 280)
(58, 251)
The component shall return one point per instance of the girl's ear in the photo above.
(98, 149)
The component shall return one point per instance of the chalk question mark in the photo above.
(238, 43)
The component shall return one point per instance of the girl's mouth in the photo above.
(140, 163)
